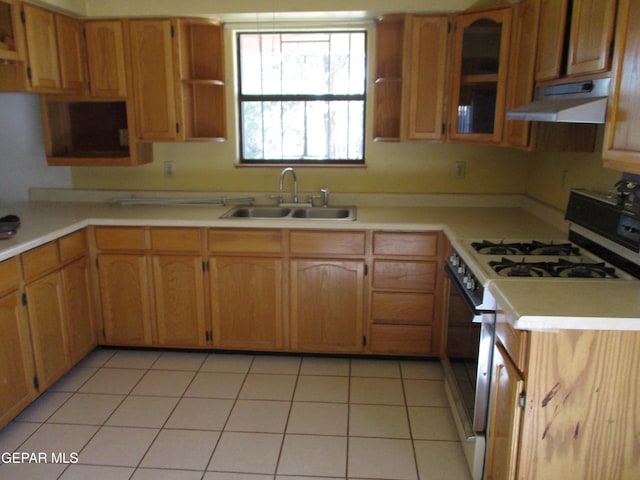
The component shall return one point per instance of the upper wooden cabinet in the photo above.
(202, 79)
(106, 58)
(621, 149)
(12, 47)
(588, 31)
(426, 77)
(479, 79)
(151, 54)
(55, 55)
(387, 93)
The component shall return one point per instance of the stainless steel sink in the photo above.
(257, 212)
(300, 213)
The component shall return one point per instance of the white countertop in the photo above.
(550, 305)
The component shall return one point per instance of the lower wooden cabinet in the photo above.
(505, 417)
(47, 319)
(327, 302)
(179, 299)
(125, 297)
(16, 360)
(80, 326)
(246, 303)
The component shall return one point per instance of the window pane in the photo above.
(304, 130)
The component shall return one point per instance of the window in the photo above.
(302, 97)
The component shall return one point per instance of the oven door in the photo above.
(469, 352)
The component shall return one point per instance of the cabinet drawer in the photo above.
(40, 260)
(400, 275)
(120, 238)
(9, 275)
(248, 241)
(401, 339)
(176, 240)
(406, 244)
(73, 245)
(514, 341)
(327, 243)
(402, 308)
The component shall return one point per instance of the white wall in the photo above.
(23, 163)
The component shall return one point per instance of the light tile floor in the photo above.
(138, 415)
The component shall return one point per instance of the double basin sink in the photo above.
(293, 213)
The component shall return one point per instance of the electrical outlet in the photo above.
(124, 137)
(168, 168)
(461, 169)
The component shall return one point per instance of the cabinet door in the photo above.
(16, 368)
(481, 50)
(70, 54)
(40, 30)
(621, 149)
(553, 22)
(327, 305)
(426, 74)
(179, 296)
(105, 58)
(592, 23)
(47, 319)
(11, 33)
(246, 302)
(522, 68)
(125, 295)
(82, 335)
(504, 418)
(151, 55)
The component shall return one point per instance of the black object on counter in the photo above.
(9, 225)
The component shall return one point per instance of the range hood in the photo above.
(577, 102)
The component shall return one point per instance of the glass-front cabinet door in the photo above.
(481, 50)
(11, 33)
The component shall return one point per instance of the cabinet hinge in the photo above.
(104, 332)
(29, 73)
(208, 335)
(173, 31)
(24, 299)
(36, 383)
(177, 127)
(23, 17)
(366, 269)
(444, 128)
(364, 340)
(97, 264)
(522, 400)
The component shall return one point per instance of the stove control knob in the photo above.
(462, 268)
(471, 284)
(454, 260)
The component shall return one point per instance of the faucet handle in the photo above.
(325, 196)
(277, 197)
(311, 198)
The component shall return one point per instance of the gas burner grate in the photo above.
(510, 268)
(560, 268)
(535, 247)
(565, 268)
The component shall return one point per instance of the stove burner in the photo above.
(534, 247)
(509, 268)
(565, 268)
(491, 248)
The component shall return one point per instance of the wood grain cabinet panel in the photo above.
(73, 245)
(106, 58)
(245, 241)
(405, 244)
(39, 260)
(71, 55)
(401, 339)
(79, 315)
(403, 275)
(40, 32)
(402, 308)
(179, 299)
(185, 240)
(152, 64)
(307, 242)
(120, 238)
(126, 301)
(592, 25)
(553, 22)
(16, 360)
(327, 302)
(621, 149)
(47, 320)
(246, 302)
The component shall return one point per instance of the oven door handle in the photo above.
(477, 313)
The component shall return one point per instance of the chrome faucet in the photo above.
(295, 183)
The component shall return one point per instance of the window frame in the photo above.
(279, 162)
